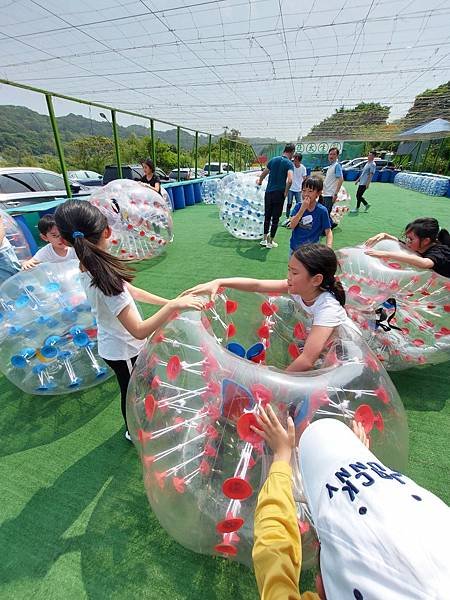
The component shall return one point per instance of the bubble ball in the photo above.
(209, 190)
(48, 335)
(140, 219)
(194, 393)
(403, 312)
(241, 204)
(341, 207)
(15, 236)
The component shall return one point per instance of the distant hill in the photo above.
(29, 132)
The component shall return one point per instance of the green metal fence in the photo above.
(49, 96)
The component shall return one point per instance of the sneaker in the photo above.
(285, 223)
(355, 210)
(263, 243)
(128, 436)
(272, 244)
(367, 207)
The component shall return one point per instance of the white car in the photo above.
(21, 186)
(216, 168)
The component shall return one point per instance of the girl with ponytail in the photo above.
(422, 236)
(107, 280)
(311, 282)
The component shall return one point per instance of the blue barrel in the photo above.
(170, 192)
(189, 194)
(308, 171)
(197, 192)
(376, 176)
(448, 190)
(385, 176)
(178, 197)
(352, 174)
(20, 220)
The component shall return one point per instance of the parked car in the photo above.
(21, 186)
(186, 173)
(89, 178)
(216, 168)
(359, 165)
(135, 172)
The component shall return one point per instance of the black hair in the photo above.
(427, 227)
(313, 183)
(289, 148)
(373, 153)
(319, 259)
(150, 164)
(298, 155)
(334, 148)
(46, 223)
(88, 223)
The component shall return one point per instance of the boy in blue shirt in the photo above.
(310, 218)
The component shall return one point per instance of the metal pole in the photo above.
(228, 152)
(152, 133)
(220, 153)
(240, 161)
(426, 155)
(58, 144)
(116, 143)
(234, 156)
(417, 156)
(209, 155)
(196, 154)
(438, 154)
(178, 152)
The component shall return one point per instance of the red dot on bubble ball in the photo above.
(245, 422)
(229, 525)
(237, 488)
(227, 549)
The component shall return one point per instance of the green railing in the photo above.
(114, 111)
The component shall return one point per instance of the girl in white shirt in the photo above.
(106, 279)
(311, 282)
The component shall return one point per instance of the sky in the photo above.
(269, 68)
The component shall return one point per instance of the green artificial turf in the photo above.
(74, 517)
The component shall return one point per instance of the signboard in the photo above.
(319, 147)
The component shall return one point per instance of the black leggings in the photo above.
(359, 196)
(122, 369)
(273, 209)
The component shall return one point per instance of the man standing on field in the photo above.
(280, 170)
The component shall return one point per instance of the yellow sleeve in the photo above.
(277, 552)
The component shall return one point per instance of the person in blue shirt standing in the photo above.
(280, 170)
(364, 180)
(310, 218)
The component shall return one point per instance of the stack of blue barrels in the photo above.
(432, 185)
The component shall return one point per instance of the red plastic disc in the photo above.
(237, 488)
(227, 549)
(263, 332)
(229, 525)
(268, 309)
(150, 406)
(354, 290)
(231, 306)
(294, 352)
(173, 367)
(364, 415)
(231, 330)
(243, 428)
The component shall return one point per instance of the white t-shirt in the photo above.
(114, 341)
(298, 177)
(47, 254)
(326, 311)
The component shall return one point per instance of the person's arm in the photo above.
(378, 238)
(329, 237)
(277, 551)
(295, 219)
(262, 176)
(244, 284)
(30, 264)
(140, 329)
(315, 343)
(409, 259)
(289, 177)
(157, 186)
(2, 231)
(339, 183)
(369, 179)
(144, 296)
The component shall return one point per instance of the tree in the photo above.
(91, 152)
(367, 120)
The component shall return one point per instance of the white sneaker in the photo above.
(272, 244)
(355, 210)
(286, 223)
(263, 243)
(367, 207)
(128, 436)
